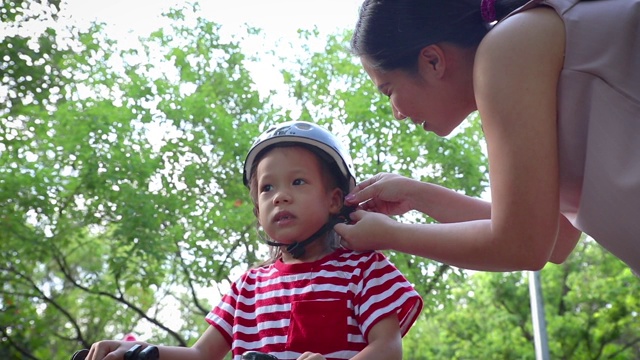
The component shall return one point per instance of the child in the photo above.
(314, 299)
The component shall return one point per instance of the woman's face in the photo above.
(423, 99)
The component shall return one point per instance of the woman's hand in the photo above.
(371, 231)
(392, 194)
(388, 194)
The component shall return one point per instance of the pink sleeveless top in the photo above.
(599, 121)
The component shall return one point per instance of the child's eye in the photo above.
(298, 182)
(266, 188)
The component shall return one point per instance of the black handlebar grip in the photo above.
(135, 353)
(80, 354)
(149, 353)
(256, 355)
(132, 354)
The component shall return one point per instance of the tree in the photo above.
(120, 188)
(121, 196)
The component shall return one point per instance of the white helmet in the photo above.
(305, 133)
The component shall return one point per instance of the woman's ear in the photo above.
(432, 60)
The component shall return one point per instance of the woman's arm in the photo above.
(566, 241)
(516, 76)
(516, 73)
(392, 194)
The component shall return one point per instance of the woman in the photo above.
(557, 86)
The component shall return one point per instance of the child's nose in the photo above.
(282, 196)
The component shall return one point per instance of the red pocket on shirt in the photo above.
(318, 326)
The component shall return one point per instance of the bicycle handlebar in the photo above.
(151, 353)
(137, 352)
(256, 355)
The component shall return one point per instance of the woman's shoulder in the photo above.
(535, 29)
(525, 47)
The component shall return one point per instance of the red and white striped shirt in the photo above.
(327, 306)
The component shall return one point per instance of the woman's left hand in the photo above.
(371, 231)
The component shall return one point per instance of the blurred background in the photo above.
(123, 128)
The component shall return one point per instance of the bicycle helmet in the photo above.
(308, 134)
(305, 133)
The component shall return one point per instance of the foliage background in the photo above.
(122, 207)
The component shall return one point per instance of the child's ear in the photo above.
(337, 200)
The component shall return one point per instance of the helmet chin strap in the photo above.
(296, 249)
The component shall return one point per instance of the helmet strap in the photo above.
(296, 249)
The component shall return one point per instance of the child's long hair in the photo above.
(332, 178)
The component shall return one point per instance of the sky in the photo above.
(277, 17)
(279, 20)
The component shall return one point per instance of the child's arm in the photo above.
(211, 346)
(385, 340)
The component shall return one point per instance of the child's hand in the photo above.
(311, 356)
(109, 350)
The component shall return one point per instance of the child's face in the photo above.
(293, 199)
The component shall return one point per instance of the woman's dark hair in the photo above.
(391, 33)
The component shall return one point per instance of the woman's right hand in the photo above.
(392, 194)
(384, 193)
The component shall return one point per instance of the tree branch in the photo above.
(15, 345)
(121, 299)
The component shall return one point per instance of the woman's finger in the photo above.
(364, 184)
(365, 192)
